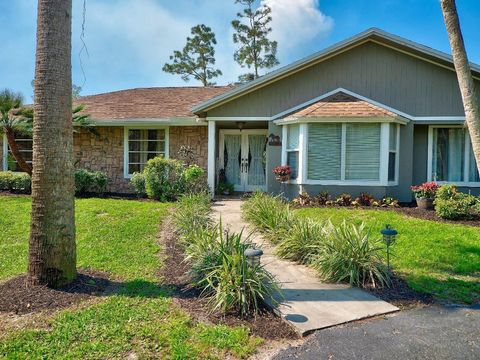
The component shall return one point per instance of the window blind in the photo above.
(362, 152)
(324, 151)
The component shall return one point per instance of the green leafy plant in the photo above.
(268, 214)
(90, 182)
(138, 183)
(453, 205)
(349, 254)
(225, 188)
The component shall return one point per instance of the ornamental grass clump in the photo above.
(229, 282)
(349, 254)
(268, 214)
(192, 214)
(303, 241)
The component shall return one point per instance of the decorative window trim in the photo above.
(302, 178)
(126, 175)
(466, 169)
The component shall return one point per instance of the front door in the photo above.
(243, 157)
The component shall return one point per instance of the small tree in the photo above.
(197, 57)
(16, 119)
(11, 122)
(251, 33)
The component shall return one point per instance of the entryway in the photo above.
(242, 154)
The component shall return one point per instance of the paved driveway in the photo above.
(429, 333)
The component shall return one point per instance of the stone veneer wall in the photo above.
(196, 137)
(105, 152)
(102, 153)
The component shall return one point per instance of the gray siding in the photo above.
(398, 80)
(420, 149)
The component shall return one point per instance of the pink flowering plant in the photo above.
(425, 191)
(282, 171)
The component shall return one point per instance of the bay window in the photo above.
(350, 153)
(451, 156)
(142, 145)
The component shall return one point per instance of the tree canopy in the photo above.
(255, 50)
(197, 58)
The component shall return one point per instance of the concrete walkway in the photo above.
(308, 304)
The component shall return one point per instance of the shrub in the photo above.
(268, 214)
(303, 199)
(138, 183)
(195, 179)
(365, 199)
(453, 205)
(302, 242)
(164, 179)
(229, 282)
(322, 198)
(388, 201)
(90, 182)
(15, 181)
(350, 255)
(344, 200)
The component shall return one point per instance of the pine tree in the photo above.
(197, 57)
(251, 33)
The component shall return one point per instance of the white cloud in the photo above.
(297, 22)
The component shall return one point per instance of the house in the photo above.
(374, 113)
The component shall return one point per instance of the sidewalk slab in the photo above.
(307, 303)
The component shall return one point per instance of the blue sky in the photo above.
(128, 41)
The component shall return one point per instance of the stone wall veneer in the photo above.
(105, 152)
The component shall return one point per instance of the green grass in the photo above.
(119, 237)
(436, 258)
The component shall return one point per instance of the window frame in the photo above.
(293, 150)
(5, 152)
(302, 178)
(466, 153)
(126, 175)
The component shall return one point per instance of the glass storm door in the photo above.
(244, 158)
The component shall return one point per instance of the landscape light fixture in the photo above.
(253, 256)
(389, 235)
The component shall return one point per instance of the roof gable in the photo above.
(341, 104)
(374, 35)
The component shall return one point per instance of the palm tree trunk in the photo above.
(52, 254)
(12, 144)
(471, 100)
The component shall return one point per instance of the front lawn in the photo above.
(138, 319)
(436, 258)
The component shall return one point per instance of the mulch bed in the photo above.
(266, 324)
(401, 295)
(18, 298)
(407, 209)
